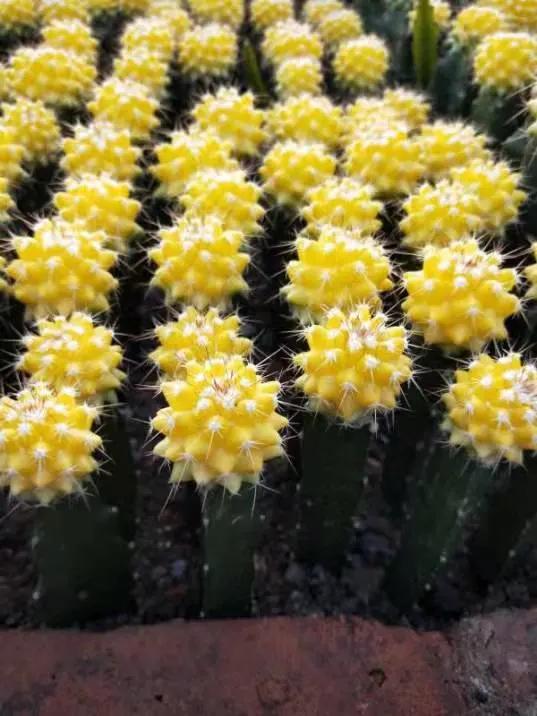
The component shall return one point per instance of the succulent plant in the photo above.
(297, 76)
(315, 10)
(228, 13)
(361, 63)
(473, 23)
(126, 105)
(143, 66)
(71, 36)
(208, 50)
(150, 34)
(268, 12)
(290, 39)
(339, 26)
(306, 119)
(344, 203)
(34, 127)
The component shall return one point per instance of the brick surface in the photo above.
(276, 667)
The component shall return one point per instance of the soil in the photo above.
(166, 548)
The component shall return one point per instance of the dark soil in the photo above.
(166, 549)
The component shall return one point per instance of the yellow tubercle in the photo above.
(461, 297)
(491, 408)
(34, 127)
(62, 268)
(290, 39)
(440, 215)
(233, 117)
(344, 203)
(127, 105)
(220, 425)
(208, 50)
(71, 36)
(362, 63)
(226, 195)
(338, 270)
(197, 336)
(46, 443)
(299, 75)
(339, 26)
(306, 119)
(473, 23)
(265, 13)
(291, 169)
(100, 203)
(99, 148)
(199, 262)
(73, 352)
(355, 365)
(506, 61)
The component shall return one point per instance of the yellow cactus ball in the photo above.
(496, 188)
(200, 263)
(447, 145)
(299, 76)
(385, 157)
(100, 203)
(290, 39)
(461, 297)
(11, 155)
(62, 268)
(265, 13)
(199, 337)
(355, 366)
(339, 26)
(187, 153)
(6, 205)
(315, 10)
(473, 23)
(227, 195)
(144, 67)
(344, 203)
(412, 107)
(358, 115)
(72, 36)
(339, 270)
(506, 61)
(52, 10)
(291, 169)
(100, 148)
(34, 127)
(56, 77)
(98, 7)
(306, 119)
(522, 15)
(46, 443)
(491, 408)
(229, 12)
(362, 63)
(221, 425)
(151, 34)
(133, 6)
(76, 353)
(177, 19)
(127, 105)
(208, 50)
(15, 15)
(441, 13)
(233, 117)
(440, 215)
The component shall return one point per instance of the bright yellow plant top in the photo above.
(151, 34)
(228, 12)
(290, 39)
(461, 297)
(315, 10)
(208, 50)
(99, 148)
(339, 26)
(6, 204)
(506, 61)
(34, 127)
(412, 107)
(232, 116)
(473, 23)
(344, 203)
(100, 203)
(15, 15)
(440, 215)
(72, 36)
(62, 268)
(522, 14)
(197, 336)
(47, 443)
(51, 10)
(11, 155)
(227, 195)
(265, 13)
(127, 105)
(145, 67)
(200, 263)
(291, 169)
(299, 76)
(355, 365)
(221, 425)
(492, 408)
(447, 145)
(338, 270)
(73, 352)
(177, 19)
(306, 119)
(362, 63)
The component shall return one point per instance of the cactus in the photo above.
(149, 34)
(11, 155)
(34, 128)
(17, 16)
(412, 107)
(100, 148)
(473, 23)
(354, 368)
(222, 11)
(448, 145)
(145, 67)
(338, 26)
(265, 13)
(177, 19)
(290, 39)
(220, 427)
(315, 10)
(297, 76)
(306, 119)
(126, 105)
(208, 51)
(343, 203)
(52, 10)
(426, 20)
(361, 63)
(71, 36)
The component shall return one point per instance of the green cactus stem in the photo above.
(497, 114)
(253, 75)
(330, 490)
(446, 496)
(82, 562)
(231, 528)
(508, 530)
(451, 87)
(425, 36)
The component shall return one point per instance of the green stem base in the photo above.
(231, 531)
(497, 115)
(331, 486)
